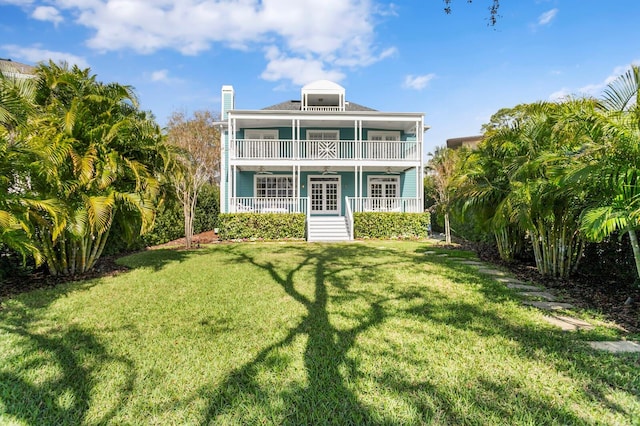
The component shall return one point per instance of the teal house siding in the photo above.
(408, 184)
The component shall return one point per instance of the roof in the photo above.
(8, 66)
(471, 141)
(323, 86)
(295, 105)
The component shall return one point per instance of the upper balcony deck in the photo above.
(348, 150)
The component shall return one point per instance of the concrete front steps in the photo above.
(327, 228)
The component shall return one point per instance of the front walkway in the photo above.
(541, 298)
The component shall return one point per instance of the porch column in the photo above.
(234, 170)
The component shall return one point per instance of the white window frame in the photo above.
(290, 194)
(384, 135)
(261, 134)
(387, 179)
(322, 179)
(335, 134)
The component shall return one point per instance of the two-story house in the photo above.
(321, 155)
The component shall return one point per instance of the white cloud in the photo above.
(560, 95)
(299, 70)
(593, 89)
(47, 13)
(547, 17)
(162, 76)
(417, 82)
(321, 36)
(36, 54)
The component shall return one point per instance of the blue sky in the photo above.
(406, 55)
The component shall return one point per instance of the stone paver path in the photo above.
(539, 295)
(494, 272)
(568, 323)
(549, 306)
(527, 287)
(616, 347)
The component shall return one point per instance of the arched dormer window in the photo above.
(323, 95)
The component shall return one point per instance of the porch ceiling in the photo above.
(320, 169)
(329, 123)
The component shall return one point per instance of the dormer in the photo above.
(323, 95)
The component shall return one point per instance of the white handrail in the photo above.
(349, 217)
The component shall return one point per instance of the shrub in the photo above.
(273, 226)
(391, 225)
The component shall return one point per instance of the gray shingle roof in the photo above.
(9, 66)
(295, 105)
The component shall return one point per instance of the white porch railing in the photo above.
(323, 108)
(349, 217)
(376, 204)
(286, 149)
(268, 205)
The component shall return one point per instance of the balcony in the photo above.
(286, 149)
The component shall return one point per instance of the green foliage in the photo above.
(169, 223)
(391, 225)
(260, 226)
(207, 209)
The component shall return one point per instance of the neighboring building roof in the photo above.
(295, 105)
(467, 141)
(7, 66)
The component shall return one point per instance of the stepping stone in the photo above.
(508, 280)
(525, 287)
(494, 272)
(430, 252)
(539, 294)
(616, 347)
(567, 323)
(443, 255)
(471, 263)
(549, 306)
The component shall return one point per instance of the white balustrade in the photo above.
(286, 149)
(268, 205)
(380, 204)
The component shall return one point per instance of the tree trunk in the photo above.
(633, 237)
(447, 229)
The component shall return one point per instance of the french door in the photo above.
(325, 194)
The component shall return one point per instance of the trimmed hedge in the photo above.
(391, 225)
(262, 226)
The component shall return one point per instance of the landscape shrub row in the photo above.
(259, 226)
(391, 225)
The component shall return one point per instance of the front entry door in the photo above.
(325, 194)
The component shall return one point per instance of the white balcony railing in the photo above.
(268, 205)
(286, 149)
(323, 108)
(376, 204)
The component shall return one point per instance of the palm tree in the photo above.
(612, 164)
(16, 103)
(97, 156)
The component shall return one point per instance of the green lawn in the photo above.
(363, 333)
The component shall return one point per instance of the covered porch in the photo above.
(327, 190)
